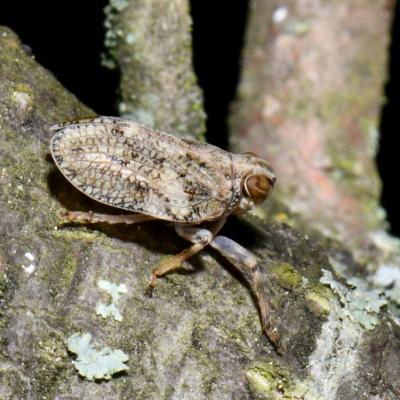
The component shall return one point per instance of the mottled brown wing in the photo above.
(129, 166)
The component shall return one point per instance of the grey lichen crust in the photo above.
(149, 41)
(199, 336)
(92, 363)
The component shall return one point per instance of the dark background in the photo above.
(67, 38)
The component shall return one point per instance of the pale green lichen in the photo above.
(385, 283)
(115, 291)
(92, 363)
(359, 304)
(388, 277)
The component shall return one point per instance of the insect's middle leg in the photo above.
(200, 237)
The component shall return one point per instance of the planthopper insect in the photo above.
(158, 176)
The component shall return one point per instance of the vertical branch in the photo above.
(150, 42)
(309, 101)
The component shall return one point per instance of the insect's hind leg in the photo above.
(239, 256)
(95, 218)
(200, 237)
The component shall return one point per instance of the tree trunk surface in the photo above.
(199, 336)
(309, 101)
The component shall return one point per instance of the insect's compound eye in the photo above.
(257, 187)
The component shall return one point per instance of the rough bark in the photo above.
(199, 336)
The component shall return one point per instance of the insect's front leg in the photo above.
(239, 257)
(95, 218)
(200, 237)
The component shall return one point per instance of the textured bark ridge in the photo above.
(83, 288)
